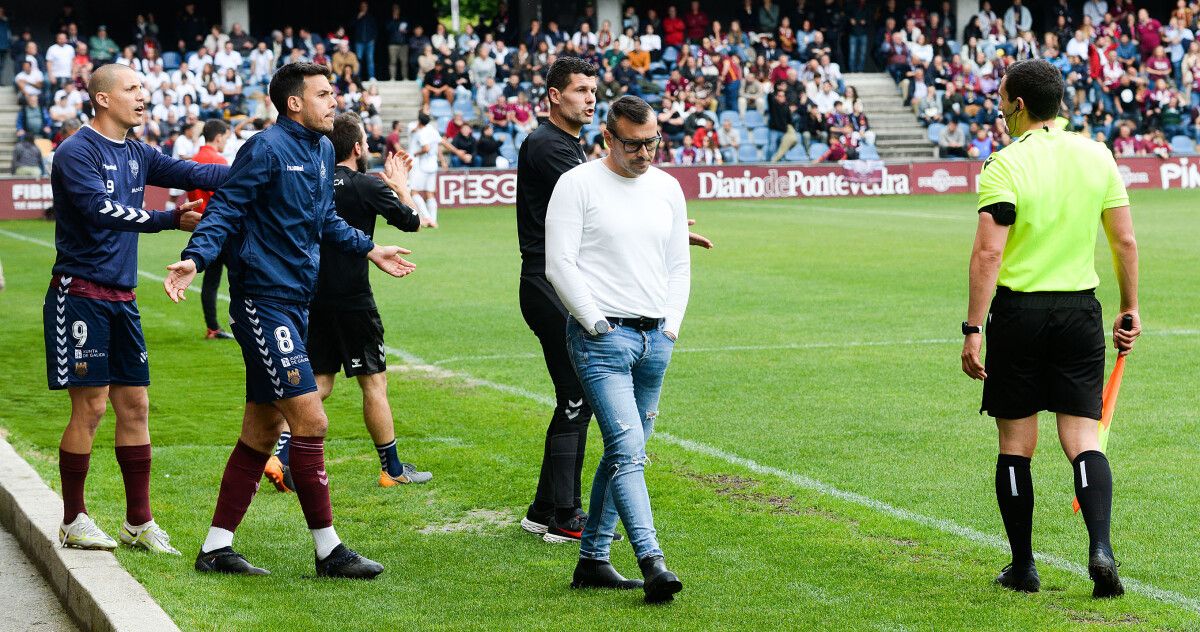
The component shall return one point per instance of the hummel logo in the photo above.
(575, 404)
(322, 478)
(295, 167)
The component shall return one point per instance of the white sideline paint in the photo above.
(417, 365)
(868, 211)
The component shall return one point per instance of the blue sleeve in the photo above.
(335, 231)
(226, 209)
(172, 173)
(84, 185)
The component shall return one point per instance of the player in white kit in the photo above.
(423, 144)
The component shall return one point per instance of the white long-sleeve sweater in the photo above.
(618, 246)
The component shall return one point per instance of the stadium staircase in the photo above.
(401, 102)
(898, 134)
(8, 128)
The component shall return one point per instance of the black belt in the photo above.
(641, 323)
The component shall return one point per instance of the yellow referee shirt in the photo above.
(1060, 183)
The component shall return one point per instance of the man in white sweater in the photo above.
(617, 256)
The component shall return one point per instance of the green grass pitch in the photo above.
(822, 463)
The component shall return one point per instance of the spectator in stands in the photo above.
(729, 139)
(490, 93)
(59, 58)
(345, 57)
(364, 31)
(103, 48)
(228, 58)
(488, 149)
(1017, 20)
(33, 119)
(982, 145)
(779, 120)
(435, 84)
(62, 111)
(1125, 145)
(30, 81)
(835, 153)
(952, 142)
(953, 107)
(753, 92)
(462, 149)
(27, 158)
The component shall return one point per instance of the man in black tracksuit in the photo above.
(550, 151)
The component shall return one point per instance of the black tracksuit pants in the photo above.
(562, 460)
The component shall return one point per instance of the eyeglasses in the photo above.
(634, 146)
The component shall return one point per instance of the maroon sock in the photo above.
(243, 471)
(312, 482)
(72, 470)
(135, 470)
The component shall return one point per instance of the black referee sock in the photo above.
(1093, 488)
(1014, 494)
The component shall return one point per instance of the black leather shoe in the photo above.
(1023, 579)
(226, 560)
(601, 574)
(661, 584)
(1103, 570)
(344, 562)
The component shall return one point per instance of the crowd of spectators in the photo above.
(1132, 79)
(747, 86)
(207, 73)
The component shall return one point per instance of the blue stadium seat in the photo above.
(754, 118)
(439, 108)
(510, 153)
(1183, 146)
(170, 60)
(442, 122)
(816, 150)
(731, 115)
(747, 152)
(503, 137)
(935, 129)
(670, 55)
(759, 136)
(867, 152)
(521, 136)
(796, 154)
(464, 107)
(954, 46)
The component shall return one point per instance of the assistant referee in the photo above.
(1041, 201)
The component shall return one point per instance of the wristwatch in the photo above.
(967, 330)
(602, 327)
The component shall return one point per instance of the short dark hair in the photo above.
(423, 118)
(630, 108)
(214, 128)
(1039, 84)
(288, 81)
(347, 131)
(559, 75)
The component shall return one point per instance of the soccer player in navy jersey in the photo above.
(94, 344)
(271, 218)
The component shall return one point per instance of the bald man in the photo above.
(95, 349)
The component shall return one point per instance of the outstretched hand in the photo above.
(395, 170)
(696, 239)
(388, 259)
(181, 274)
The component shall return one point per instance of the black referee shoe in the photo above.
(1103, 570)
(1020, 579)
(226, 560)
(345, 562)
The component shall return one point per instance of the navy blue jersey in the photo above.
(98, 188)
(273, 214)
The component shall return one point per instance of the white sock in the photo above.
(326, 540)
(420, 203)
(431, 206)
(217, 538)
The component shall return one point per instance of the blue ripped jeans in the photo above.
(622, 374)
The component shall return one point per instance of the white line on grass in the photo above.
(866, 211)
(416, 364)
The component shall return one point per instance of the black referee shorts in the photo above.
(350, 339)
(1045, 351)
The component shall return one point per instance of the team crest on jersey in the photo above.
(133, 167)
(293, 376)
(81, 369)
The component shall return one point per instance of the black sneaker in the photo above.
(617, 537)
(1103, 570)
(536, 522)
(1020, 579)
(226, 560)
(570, 531)
(344, 562)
